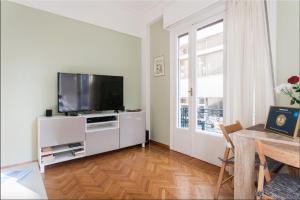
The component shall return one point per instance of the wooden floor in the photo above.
(153, 172)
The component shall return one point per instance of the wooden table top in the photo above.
(258, 132)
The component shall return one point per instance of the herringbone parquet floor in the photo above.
(134, 173)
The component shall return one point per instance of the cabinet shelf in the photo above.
(60, 149)
(95, 129)
(101, 123)
(102, 126)
(60, 157)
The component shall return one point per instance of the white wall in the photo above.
(287, 44)
(160, 86)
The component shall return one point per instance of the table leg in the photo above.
(244, 168)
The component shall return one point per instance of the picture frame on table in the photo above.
(283, 120)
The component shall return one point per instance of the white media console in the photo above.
(62, 138)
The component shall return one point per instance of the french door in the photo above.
(197, 90)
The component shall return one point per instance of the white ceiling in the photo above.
(127, 16)
(140, 7)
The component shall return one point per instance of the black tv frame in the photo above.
(75, 112)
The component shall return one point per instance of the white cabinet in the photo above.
(132, 128)
(62, 138)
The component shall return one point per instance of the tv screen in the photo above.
(85, 92)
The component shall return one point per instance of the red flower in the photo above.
(293, 80)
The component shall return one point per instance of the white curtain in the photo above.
(249, 78)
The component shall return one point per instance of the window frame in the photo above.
(210, 22)
(191, 30)
(205, 23)
(178, 123)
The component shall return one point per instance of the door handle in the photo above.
(190, 91)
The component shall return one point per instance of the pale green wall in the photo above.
(160, 86)
(287, 62)
(35, 45)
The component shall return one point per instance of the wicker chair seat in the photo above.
(282, 187)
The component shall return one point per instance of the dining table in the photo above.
(244, 155)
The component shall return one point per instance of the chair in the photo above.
(227, 130)
(274, 166)
(280, 186)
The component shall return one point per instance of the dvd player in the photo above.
(100, 119)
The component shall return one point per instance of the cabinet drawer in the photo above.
(56, 131)
(102, 141)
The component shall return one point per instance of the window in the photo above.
(209, 78)
(183, 83)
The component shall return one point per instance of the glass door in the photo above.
(182, 135)
(209, 77)
(199, 91)
(183, 81)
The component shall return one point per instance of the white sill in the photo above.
(186, 129)
(216, 134)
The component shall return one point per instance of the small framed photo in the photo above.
(283, 120)
(159, 66)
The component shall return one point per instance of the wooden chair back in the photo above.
(227, 130)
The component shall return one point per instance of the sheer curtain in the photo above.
(249, 78)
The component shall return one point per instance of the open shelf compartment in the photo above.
(102, 126)
(61, 148)
(61, 153)
(64, 156)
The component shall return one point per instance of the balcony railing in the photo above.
(184, 116)
(207, 118)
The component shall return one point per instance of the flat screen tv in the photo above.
(86, 92)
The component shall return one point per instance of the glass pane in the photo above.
(209, 92)
(183, 83)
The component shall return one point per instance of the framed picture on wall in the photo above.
(283, 120)
(159, 66)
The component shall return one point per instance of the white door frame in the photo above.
(213, 140)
